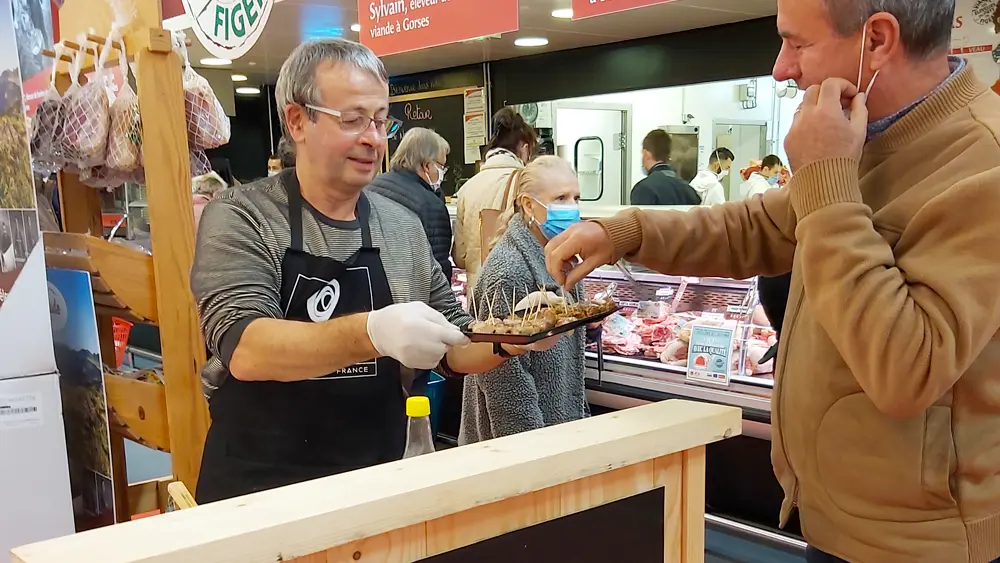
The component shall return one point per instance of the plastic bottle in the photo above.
(419, 440)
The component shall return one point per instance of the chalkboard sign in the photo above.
(444, 112)
(627, 531)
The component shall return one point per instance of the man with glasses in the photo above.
(316, 298)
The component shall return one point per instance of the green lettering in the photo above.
(238, 24)
(219, 18)
(251, 12)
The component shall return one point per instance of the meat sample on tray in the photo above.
(651, 331)
(541, 318)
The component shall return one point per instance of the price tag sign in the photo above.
(710, 355)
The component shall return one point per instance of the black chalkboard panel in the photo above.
(626, 531)
(446, 116)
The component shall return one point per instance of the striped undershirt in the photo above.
(242, 239)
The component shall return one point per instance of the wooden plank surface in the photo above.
(171, 220)
(398, 546)
(693, 506)
(311, 517)
(669, 475)
(141, 407)
(128, 273)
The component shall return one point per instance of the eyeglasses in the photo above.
(443, 167)
(356, 123)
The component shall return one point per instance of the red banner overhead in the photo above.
(590, 8)
(396, 26)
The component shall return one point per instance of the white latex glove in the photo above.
(533, 299)
(413, 334)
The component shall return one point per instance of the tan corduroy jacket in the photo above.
(886, 408)
(483, 191)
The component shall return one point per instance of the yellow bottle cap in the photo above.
(418, 406)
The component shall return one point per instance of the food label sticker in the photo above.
(618, 326)
(710, 355)
(714, 316)
(20, 411)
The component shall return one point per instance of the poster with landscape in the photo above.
(81, 383)
(17, 192)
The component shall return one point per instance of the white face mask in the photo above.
(272, 173)
(437, 183)
(861, 65)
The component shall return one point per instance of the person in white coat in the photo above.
(766, 179)
(708, 183)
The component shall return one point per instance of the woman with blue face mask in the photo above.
(543, 387)
(767, 178)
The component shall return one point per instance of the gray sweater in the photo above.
(242, 239)
(539, 388)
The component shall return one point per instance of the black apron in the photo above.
(269, 434)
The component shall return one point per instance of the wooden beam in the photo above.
(171, 221)
(382, 502)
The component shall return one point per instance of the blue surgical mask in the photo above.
(773, 180)
(558, 218)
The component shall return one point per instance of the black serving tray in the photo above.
(526, 339)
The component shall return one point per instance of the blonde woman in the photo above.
(540, 388)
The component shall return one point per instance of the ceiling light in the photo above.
(531, 41)
(356, 27)
(239, 78)
(215, 62)
(564, 14)
(248, 90)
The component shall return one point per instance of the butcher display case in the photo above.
(643, 349)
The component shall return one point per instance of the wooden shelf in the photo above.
(138, 411)
(122, 278)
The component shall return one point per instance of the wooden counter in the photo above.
(624, 487)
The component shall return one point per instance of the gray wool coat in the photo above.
(534, 390)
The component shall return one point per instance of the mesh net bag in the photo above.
(86, 118)
(46, 126)
(103, 177)
(199, 163)
(125, 128)
(207, 122)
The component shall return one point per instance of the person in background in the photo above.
(286, 153)
(274, 165)
(773, 293)
(765, 179)
(708, 183)
(513, 144)
(203, 190)
(661, 186)
(414, 179)
(887, 396)
(539, 388)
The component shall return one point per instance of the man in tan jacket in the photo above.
(886, 408)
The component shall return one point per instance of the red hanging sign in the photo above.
(590, 8)
(397, 26)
